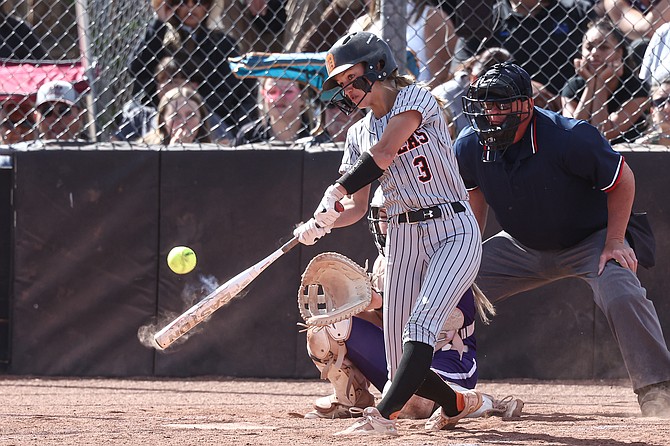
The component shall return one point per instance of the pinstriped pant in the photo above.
(430, 265)
(509, 268)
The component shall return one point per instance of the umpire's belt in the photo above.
(428, 213)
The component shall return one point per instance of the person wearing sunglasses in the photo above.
(659, 133)
(57, 115)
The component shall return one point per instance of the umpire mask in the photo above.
(496, 105)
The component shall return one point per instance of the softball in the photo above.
(181, 259)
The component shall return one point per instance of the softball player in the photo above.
(357, 344)
(434, 243)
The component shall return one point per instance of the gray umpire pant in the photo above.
(509, 268)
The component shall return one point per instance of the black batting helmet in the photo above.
(355, 48)
(503, 83)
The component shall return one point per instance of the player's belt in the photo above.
(428, 213)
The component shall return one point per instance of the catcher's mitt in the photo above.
(333, 288)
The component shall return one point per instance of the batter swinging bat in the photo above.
(216, 299)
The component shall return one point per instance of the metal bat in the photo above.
(216, 299)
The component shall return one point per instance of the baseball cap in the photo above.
(56, 91)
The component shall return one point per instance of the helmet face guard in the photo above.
(496, 105)
(352, 49)
(340, 99)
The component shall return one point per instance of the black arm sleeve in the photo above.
(364, 172)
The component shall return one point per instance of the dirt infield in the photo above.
(214, 411)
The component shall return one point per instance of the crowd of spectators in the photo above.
(595, 60)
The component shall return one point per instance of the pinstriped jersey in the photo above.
(425, 172)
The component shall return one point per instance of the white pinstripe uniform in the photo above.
(433, 262)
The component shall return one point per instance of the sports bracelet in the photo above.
(364, 172)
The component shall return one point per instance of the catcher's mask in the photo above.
(496, 105)
(378, 220)
(358, 47)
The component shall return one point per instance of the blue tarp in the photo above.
(308, 68)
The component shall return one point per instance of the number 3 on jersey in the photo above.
(421, 163)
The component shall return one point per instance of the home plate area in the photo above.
(222, 426)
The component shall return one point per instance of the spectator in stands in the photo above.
(656, 61)
(18, 41)
(603, 91)
(181, 119)
(333, 24)
(543, 36)
(256, 25)
(301, 16)
(638, 19)
(183, 24)
(16, 121)
(333, 126)
(286, 113)
(659, 131)
(454, 89)
(426, 33)
(468, 19)
(57, 113)
(138, 120)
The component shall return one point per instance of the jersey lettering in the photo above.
(418, 138)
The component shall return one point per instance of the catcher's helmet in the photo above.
(377, 220)
(502, 85)
(355, 48)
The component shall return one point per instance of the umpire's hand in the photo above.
(618, 251)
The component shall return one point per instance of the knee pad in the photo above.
(327, 349)
(326, 345)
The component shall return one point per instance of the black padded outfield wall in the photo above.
(5, 265)
(234, 208)
(100, 224)
(85, 261)
(93, 229)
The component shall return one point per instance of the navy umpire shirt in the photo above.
(548, 190)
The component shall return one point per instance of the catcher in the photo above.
(349, 351)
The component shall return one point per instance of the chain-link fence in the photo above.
(158, 72)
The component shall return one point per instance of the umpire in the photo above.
(563, 198)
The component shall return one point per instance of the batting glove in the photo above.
(326, 213)
(308, 233)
